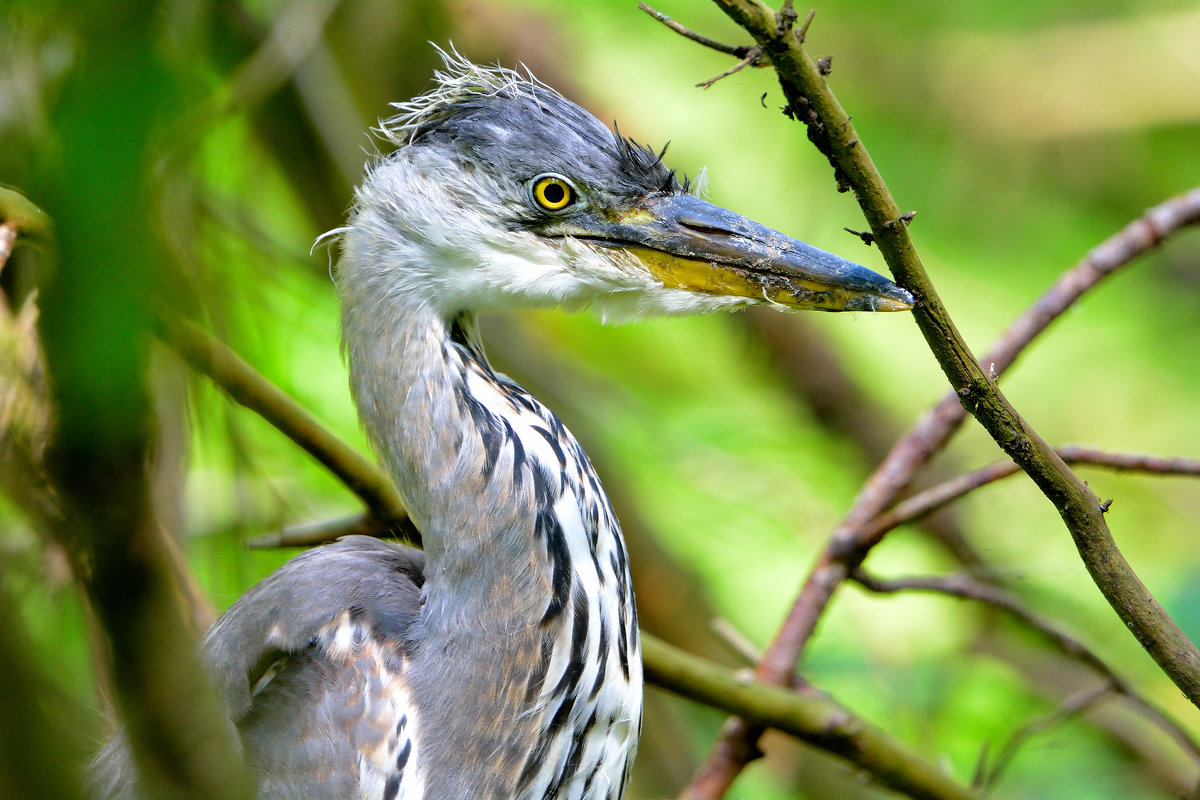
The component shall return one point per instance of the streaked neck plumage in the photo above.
(529, 628)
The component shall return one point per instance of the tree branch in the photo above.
(310, 534)
(1076, 703)
(856, 535)
(966, 587)
(810, 98)
(737, 51)
(249, 388)
(936, 497)
(811, 717)
(830, 130)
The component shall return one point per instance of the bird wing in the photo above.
(312, 665)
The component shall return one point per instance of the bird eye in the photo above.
(552, 192)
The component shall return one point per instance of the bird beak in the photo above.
(688, 243)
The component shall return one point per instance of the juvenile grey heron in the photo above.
(503, 662)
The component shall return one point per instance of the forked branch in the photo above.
(810, 100)
(968, 588)
(938, 496)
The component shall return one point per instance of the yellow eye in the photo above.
(553, 193)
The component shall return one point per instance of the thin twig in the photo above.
(753, 56)
(735, 641)
(968, 588)
(750, 55)
(737, 51)
(311, 534)
(1131, 462)
(936, 497)
(1072, 705)
(802, 34)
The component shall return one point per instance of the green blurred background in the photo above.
(1023, 133)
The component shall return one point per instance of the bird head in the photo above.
(501, 193)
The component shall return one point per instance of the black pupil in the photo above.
(554, 192)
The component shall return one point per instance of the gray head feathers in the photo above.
(500, 117)
(448, 220)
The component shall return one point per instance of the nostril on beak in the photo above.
(703, 226)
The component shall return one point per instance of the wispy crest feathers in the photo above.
(459, 79)
(461, 83)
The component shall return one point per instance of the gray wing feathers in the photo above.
(304, 716)
(378, 582)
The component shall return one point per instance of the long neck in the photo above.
(508, 504)
(527, 594)
(529, 625)
(425, 394)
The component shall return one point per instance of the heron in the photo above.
(503, 660)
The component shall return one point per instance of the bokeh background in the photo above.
(1023, 133)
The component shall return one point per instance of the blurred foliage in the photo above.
(1023, 134)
